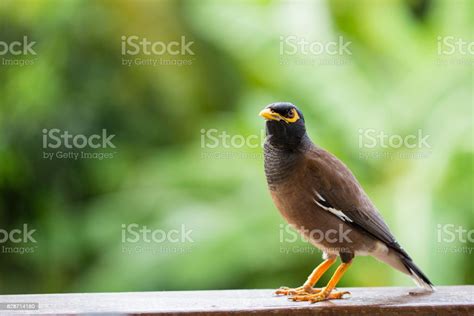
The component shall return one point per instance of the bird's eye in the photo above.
(291, 113)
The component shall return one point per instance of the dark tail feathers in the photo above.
(419, 277)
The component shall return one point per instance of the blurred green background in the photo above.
(163, 173)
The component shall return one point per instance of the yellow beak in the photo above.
(269, 115)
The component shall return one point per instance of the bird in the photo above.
(318, 195)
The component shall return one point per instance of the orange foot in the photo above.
(302, 290)
(322, 295)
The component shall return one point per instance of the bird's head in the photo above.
(285, 124)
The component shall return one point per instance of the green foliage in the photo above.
(161, 176)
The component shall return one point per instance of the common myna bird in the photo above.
(317, 193)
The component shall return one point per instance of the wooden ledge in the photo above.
(447, 300)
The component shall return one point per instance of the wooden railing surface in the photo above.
(447, 300)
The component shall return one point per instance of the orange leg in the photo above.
(307, 287)
(326, 292)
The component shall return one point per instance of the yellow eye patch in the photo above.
(293, 117)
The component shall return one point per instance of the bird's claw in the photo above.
(302, 290)
(320, 296)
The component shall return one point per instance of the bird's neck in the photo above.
(282, 160)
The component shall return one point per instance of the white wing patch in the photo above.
(319, 196)
(338, 213)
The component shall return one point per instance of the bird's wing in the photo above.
(336, 190)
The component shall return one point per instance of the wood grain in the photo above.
(447, 300)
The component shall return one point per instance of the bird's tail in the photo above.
(403, 263)
(418, 276)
